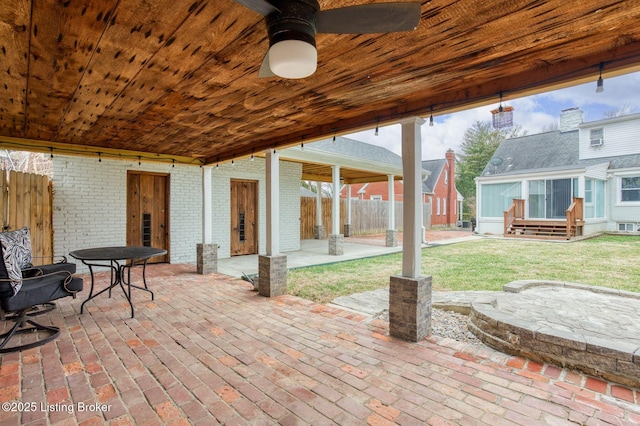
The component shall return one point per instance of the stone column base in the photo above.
(392, 238)
(336, 242)
(319, 232)
(348, 230)
(272, 275)
(410, 307)
(206, 258)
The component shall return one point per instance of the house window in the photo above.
(594, 198)
(596, 137)
(628, 227)
(444, 206)
(438, 206)
(630, 189)
(498, 197)
(549, 199)
(446, 177)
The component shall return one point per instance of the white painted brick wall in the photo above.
(90, 199)
(290, 175)
(90, 202)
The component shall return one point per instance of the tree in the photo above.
(480, 143)
(625, 109)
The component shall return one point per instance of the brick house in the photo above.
(375, 191)
(439, 190)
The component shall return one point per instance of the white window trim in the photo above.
(619, 201)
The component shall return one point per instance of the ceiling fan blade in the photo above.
(263, 7)
(265, 69)
(369, 18)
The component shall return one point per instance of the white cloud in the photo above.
(533, 113)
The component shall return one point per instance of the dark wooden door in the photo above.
(244, 217)
(148, 211)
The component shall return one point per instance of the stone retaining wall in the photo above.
(613, 360)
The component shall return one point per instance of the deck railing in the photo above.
(515, 211)
(575, 217)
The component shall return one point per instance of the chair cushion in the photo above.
(16, 255)
(41, 290)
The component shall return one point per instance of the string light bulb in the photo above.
(377, 125)
(600, 83)
(431, 118)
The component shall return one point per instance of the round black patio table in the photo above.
(121, 259)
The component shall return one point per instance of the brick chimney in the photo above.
(570, 119)
(452, 196)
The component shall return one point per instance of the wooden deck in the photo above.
(515, 225)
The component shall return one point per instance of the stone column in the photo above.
(272, 275)
(207, 258)
(272, 268)
(410, 307)
(410, 293)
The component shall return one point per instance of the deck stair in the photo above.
(547, 229)
(515, 225)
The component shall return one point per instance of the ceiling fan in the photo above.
(292, 26)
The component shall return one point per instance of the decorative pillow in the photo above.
(16, 254)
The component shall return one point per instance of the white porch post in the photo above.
(272, 268)
(206, 252)
(391, 239)
(410, 293)
(412, 200)
(348, 228)
(207, 220)
(392, 199)
(273, 203)
(336, 238)
(319, 232)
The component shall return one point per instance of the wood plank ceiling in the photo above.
(180, 77)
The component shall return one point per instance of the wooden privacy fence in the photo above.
(27, 201)
(367, 216)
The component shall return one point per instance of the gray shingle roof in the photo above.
(549, 150)
(356, 149)
(435, 168)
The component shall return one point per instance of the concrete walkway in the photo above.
(316, 252)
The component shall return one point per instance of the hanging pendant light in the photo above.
(600, 84)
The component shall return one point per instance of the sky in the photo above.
(532, 113)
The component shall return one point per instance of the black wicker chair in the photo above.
(37, 288)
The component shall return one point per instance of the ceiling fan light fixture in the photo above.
(293, 59)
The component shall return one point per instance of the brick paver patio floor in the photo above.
(209, 350)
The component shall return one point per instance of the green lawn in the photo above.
(609, 261)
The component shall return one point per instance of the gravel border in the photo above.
(444, 323)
